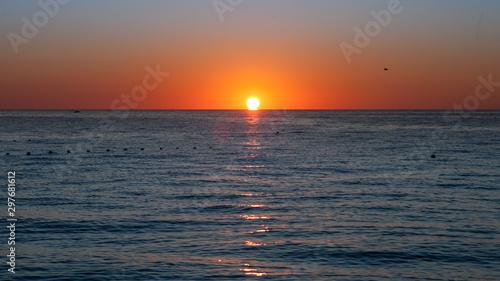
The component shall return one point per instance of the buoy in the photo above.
(108, 150)
(125, 149)
(194, 147)
(142, 148)
(433, 156)
(28, 153)
(7, 153)
(69, 151)
(161, 148)
(88, 150)
(50, 152)
(176, 148)
(29, 140)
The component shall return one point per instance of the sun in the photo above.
(253, 104)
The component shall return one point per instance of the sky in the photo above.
(290, 54)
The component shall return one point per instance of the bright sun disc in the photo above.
(253, 104)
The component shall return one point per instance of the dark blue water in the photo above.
(237, 195)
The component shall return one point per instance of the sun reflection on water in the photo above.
(251, 170)
(251, 271)
(254, 217)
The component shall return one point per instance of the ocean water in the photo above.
(266, 195)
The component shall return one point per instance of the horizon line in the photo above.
(310, 109)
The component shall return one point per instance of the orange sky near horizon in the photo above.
(286, 54)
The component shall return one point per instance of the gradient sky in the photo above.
(285, 52)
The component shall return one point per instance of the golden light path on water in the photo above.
(251, 148)
(253, 144)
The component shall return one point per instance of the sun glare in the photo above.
(253, 104)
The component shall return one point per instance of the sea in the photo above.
(251, 195)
